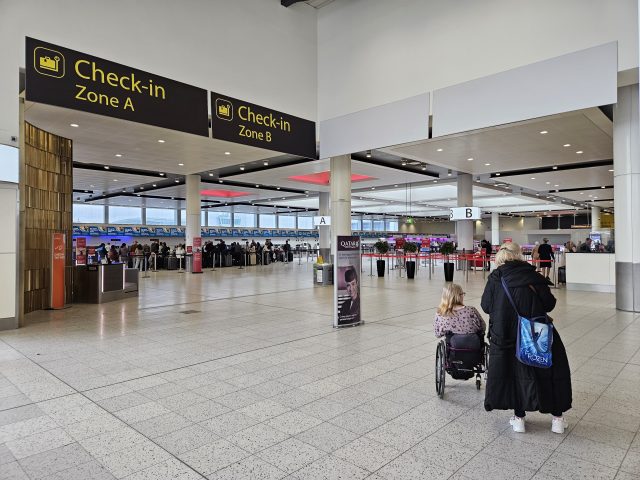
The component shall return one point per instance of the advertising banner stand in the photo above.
(57, 271)
(197, 255)
(81, 251)
(346, 285)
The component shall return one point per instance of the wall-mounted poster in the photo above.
(81, 251)
(346, 286)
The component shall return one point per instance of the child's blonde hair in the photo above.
(452, 296)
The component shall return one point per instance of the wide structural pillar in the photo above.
(324, 210)
(340, 198)
(464, 228)
(193, 208)
(595, 219)
(495, 228)
(626, 172)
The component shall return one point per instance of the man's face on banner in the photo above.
(352, 288)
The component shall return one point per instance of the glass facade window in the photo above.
(367, 225)
(378, 225)
(356, 224)
(85, 213)
(305, 223)
(203, 217)
(392, 226)
(125, 215)
(161, 216)
(246, 220)
(286, 221)
(218, 218)
(267, 221)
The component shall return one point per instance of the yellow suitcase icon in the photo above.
(49, 63)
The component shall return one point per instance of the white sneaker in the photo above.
(558, 424)
(517, 424)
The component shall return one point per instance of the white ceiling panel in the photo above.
(561, 179)
(587, 195)
(106, 181)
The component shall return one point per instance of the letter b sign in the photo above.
(468, 213)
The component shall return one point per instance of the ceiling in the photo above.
(528, 172)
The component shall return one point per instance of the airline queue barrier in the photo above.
(100, 283)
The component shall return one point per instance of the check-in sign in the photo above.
(242, 122)
(70, 79)
(320, 221)
(465, 213)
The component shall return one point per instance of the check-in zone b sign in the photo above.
(465, 213)
(242, 122)
(70, 79)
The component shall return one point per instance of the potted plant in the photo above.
(382, 247)
(447, 249)
(410, 265)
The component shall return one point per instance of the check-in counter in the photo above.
(591, 272)
(102, 283)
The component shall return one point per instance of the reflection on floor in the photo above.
(237, 374)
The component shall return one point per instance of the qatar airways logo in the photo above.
(350, 244)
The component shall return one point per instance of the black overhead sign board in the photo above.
(66, 78)
(238, 121)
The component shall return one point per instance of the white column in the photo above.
(324, 209)
(626, 165)
(193, 208)
(495, 228)
(595, 219)
(340, 198)
(464, 228)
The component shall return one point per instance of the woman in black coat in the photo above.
(510, 383)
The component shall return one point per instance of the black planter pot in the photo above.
(448, 272)
(380, 266)
(411, 268)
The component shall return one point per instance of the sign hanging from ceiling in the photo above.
(70, 79)
(242, 122)
(465, 213)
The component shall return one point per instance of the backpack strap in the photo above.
(506, 290)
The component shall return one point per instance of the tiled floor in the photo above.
(255, 384)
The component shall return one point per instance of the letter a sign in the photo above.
(321, 221)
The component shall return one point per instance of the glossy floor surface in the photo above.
(237, 374)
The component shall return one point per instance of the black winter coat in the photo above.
(510, 383)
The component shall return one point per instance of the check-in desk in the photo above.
(102, 283)
(591, 272)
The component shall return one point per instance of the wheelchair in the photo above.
(462, 356)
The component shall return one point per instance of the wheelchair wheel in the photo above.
(440, 370)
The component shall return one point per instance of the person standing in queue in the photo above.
(545, 254)
(512, 385)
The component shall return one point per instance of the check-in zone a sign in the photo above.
(321, 221)
(70, 79)
(235, 120)
(465, 213)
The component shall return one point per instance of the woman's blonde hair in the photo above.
(507, 252)
(452, 296)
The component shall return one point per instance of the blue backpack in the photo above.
(535, 337)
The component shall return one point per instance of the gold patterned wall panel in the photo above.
(47, 187)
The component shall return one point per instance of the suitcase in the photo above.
(290, 257)
(172, 263)
(562, 275)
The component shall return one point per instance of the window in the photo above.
(125, 215)
(246, 220)
(267, 221)
(84, 213)
(356, 224)
(392, 225)
(183, 217)
(366, 225)
(305, 223)
(219, 218)
(161, 216)
(378, 225)
(286, 221)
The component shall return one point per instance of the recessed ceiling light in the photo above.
(227, 153)
(548, 183)
(403, 163)
(277, 188)
(141, 188)
(74, 125)
(543, 132)
(106, 167)
(368, 154)
(470, 159)
(115, 179)
(579, 152)
(162, 174)
(257, 186)
(487, 164)
(91, 186)
(497, 174)
(554, 167)
(424, 168)
(603, 186)
(219, 181)
(611, 169)
(177, 181)
(439, 150)
(581, 193)
(556, 185)
(435, 181)
(241, 168)
(567, 145)
(118, 155)
(154, 185)
(533, 178)
(181, 164)
(283, 198)
(211, 174)
(266, 164)
(160, 141)
(373, 188)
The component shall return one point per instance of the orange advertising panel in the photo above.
(57, 270)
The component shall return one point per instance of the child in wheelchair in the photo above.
(461, 354)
